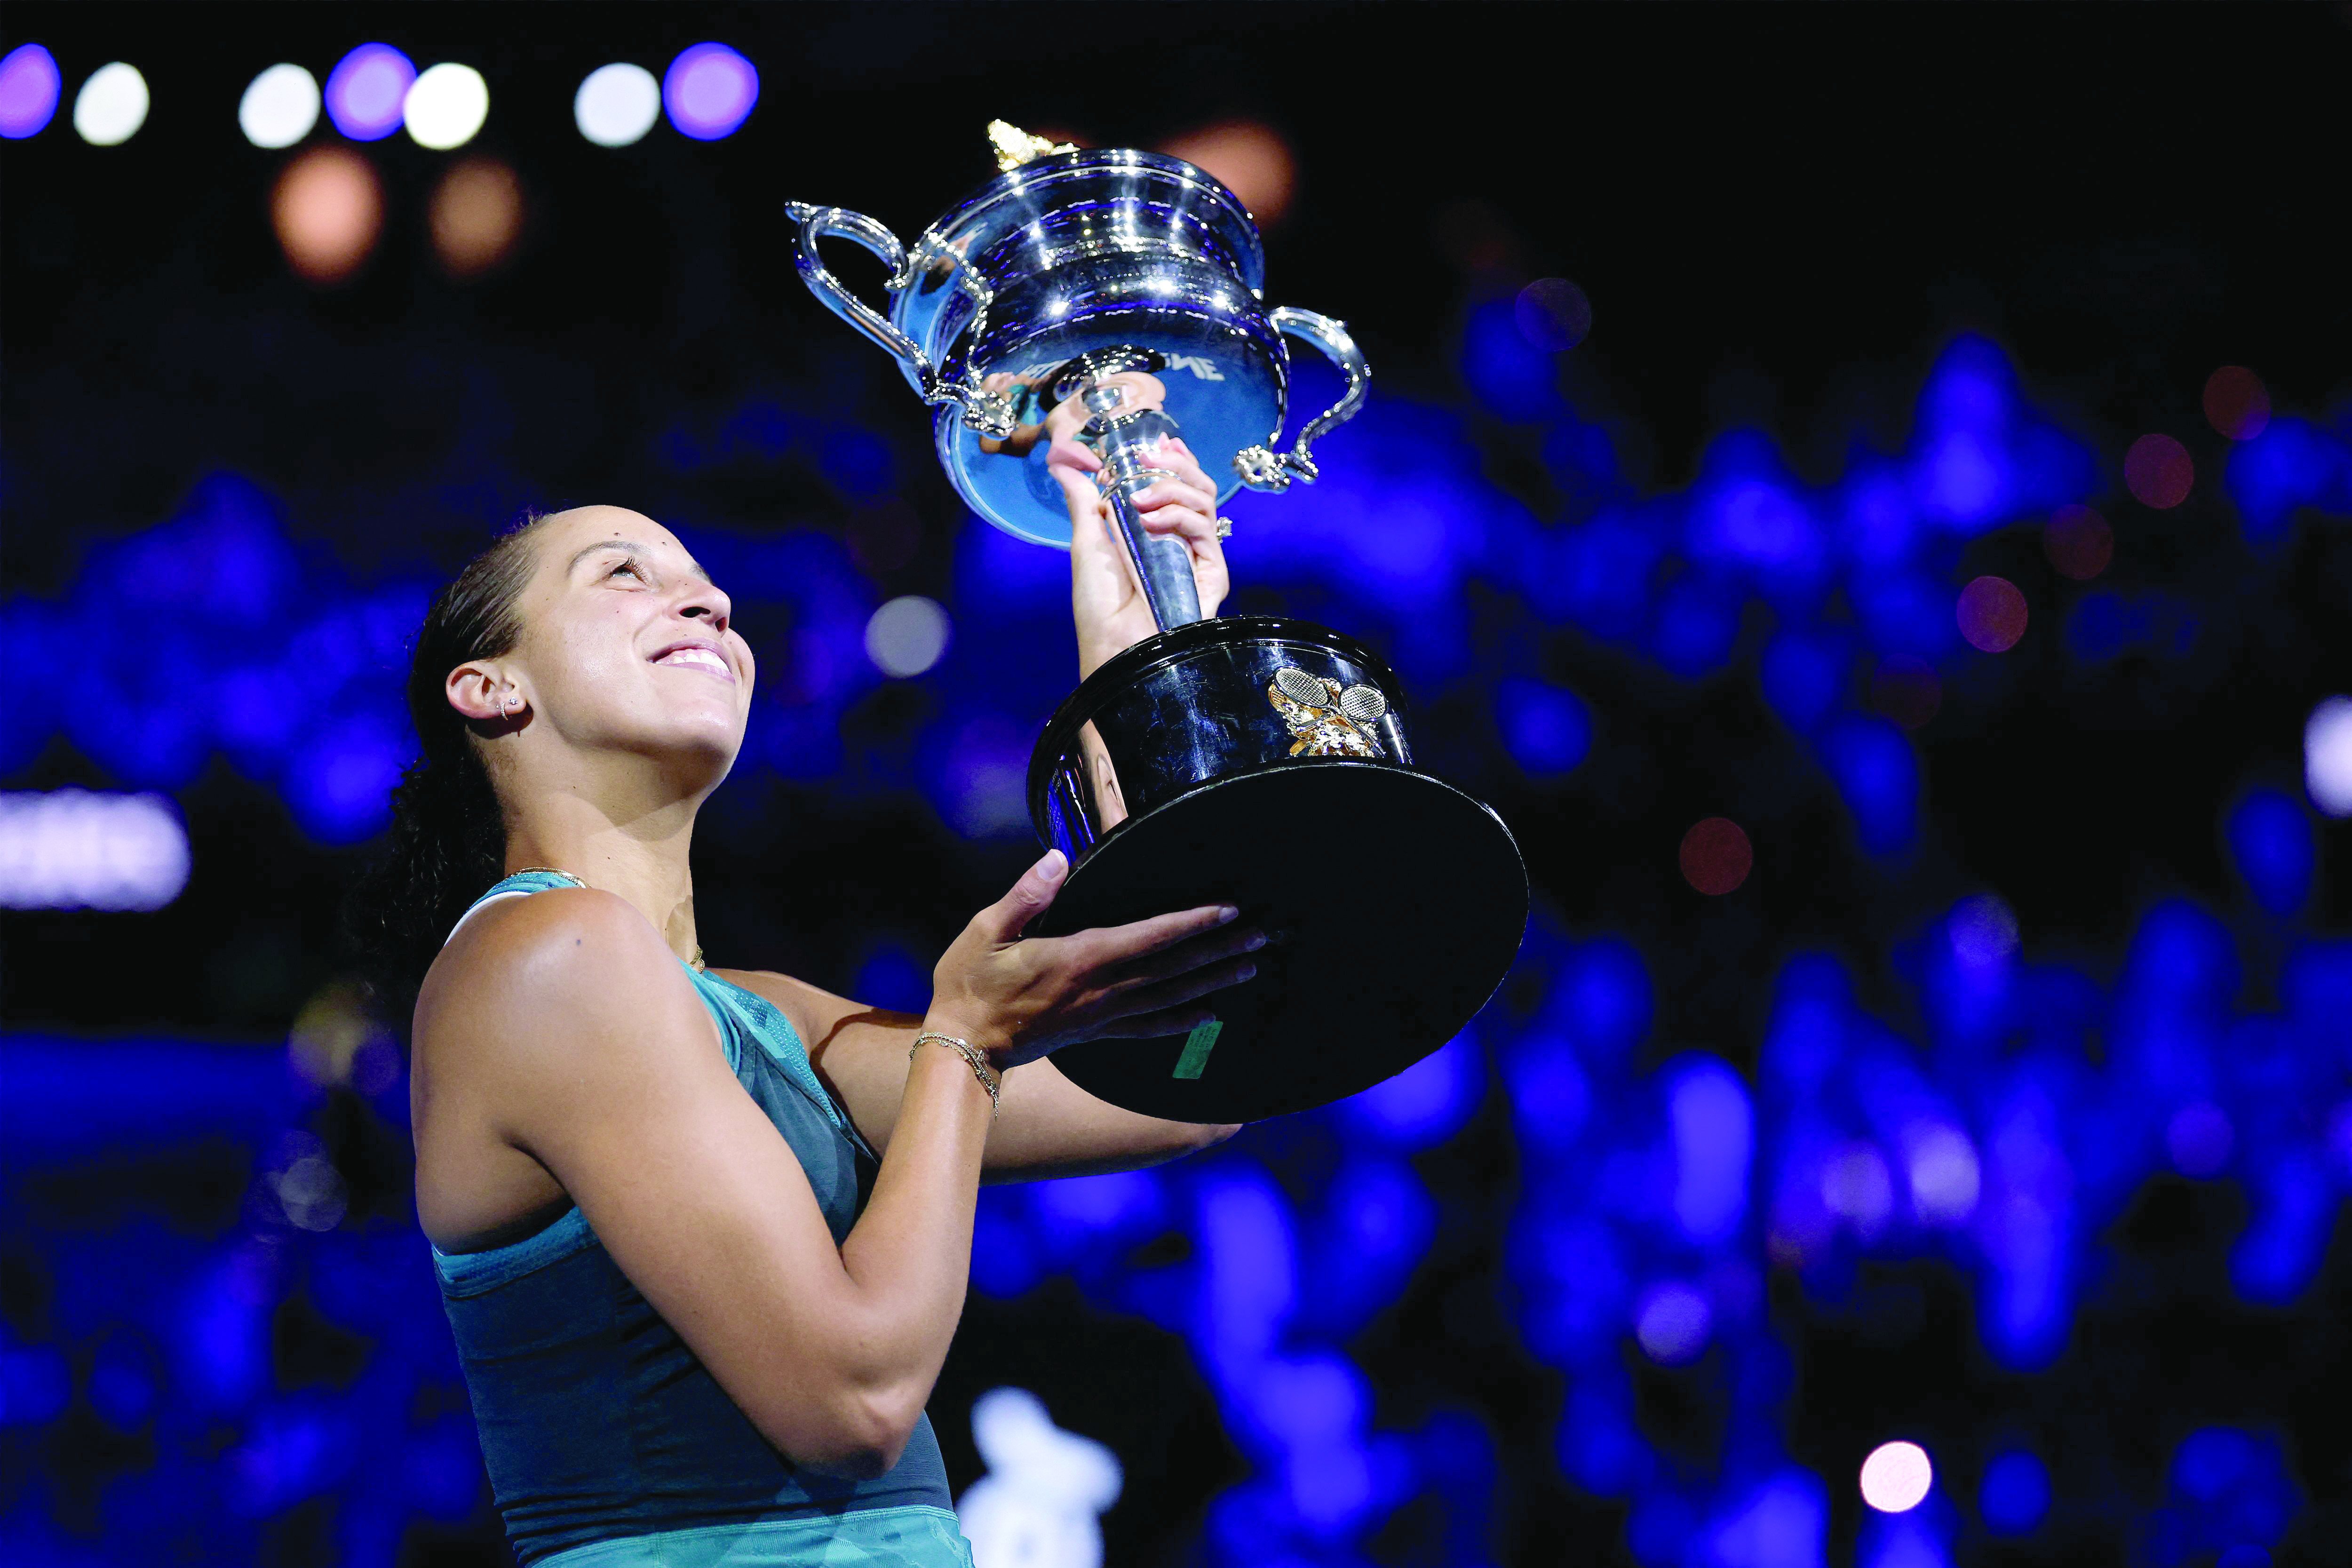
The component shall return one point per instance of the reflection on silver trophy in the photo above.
(1253, 758)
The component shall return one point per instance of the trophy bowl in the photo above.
(1264, 763)
(1250, 760)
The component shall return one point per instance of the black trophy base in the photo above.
(1403, 901)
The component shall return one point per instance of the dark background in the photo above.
(1783, 216)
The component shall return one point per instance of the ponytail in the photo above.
(448, 833)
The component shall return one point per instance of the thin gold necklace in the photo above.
(694, 963)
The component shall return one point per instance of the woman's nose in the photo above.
(704, 602)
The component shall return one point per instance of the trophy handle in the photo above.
(987, 413)
(1262, 469)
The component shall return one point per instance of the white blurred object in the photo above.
(2327, 756)
(907, 636)
(111, 105)
(279, 107)
(72, 849)
(444, 106)
(616, 104)
(1041, 1503)
(1896, 1477)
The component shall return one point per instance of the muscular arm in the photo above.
(1048, 1126)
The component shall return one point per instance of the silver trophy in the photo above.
(1250, 759)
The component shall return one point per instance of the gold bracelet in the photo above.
(990, 1079)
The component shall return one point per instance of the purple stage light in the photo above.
(708, 91)
(366, 91)
(30, 85)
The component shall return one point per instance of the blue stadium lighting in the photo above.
(2290, 464)
(1547, 729)
(2229, 1490)
(1671, 1324)
(1714, 1136)
(1512, 377)
(1877, 775)
(1427, 1102)
(1805, 674)
(2270, 836)
(2013, 1498)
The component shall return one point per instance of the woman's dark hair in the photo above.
(448, 835)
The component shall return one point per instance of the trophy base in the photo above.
(1400, 902)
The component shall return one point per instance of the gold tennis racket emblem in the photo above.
(1325, 719)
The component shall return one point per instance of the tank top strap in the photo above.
(745, 1013)
(535, 881)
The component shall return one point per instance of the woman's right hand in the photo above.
(1018, 997)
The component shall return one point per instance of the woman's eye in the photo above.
(626, 568)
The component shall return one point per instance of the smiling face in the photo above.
(627, 646)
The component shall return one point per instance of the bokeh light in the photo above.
(2200, 1139)
(72, 849)
(907, 636)
(475, 216)
(2158, 471)
(2014, 1497)
(1858, 1188)
(367, 90)
(1715, 855)
(2237, 403)
(1553, 314)
(1547, 729)
(1251, 159)
(1982, 930)
(327, 209)
(616, 104)
(2327, 756)
(709, 90)
(29, 86)
(279, 107)
(1991, 614)
(111, 105)
(1896, 1477)
(1907, 691)
(2078, 542)
(1945, 1179)
(444, 107)
(1672, 1324)
(2270, 836)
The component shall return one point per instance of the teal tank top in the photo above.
(608, 1444)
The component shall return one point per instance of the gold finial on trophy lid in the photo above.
(1015, 146)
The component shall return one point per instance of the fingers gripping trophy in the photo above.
(1113, 299)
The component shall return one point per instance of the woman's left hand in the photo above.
(1105, 594)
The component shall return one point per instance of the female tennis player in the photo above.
(703, 1234)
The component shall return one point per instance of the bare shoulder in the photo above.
(535, 973)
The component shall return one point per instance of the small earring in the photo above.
(506, 709)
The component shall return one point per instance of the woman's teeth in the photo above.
(698, 659)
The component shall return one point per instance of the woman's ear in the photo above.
(483, 693)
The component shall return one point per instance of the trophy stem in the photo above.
(1125, 442)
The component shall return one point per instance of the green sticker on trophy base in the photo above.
(1197, 1047)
